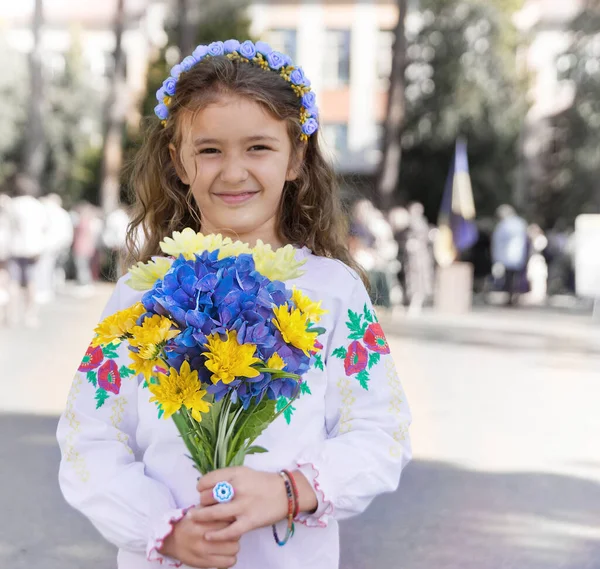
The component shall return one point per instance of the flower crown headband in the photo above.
(260, 54)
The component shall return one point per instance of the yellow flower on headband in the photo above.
(278, 265)
(117, 327)
(307, 306)
(144, 275)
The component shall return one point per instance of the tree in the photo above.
(396, 111)
(460, 79)
(114, 119)
(34, 154)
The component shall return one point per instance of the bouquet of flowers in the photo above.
(221, 342)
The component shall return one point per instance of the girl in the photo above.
(235, 151)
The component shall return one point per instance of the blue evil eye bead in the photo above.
(276, 60)
(310, 127)
(248, 50)
(169, 86)
(216, 48)
(231, 45)
(200, 52)
(176, 71)
(223, 492)
(263, 48)
(161, 111)
(188, 63)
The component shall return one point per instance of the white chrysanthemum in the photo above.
(186, 243)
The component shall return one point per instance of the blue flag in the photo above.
(456, 222)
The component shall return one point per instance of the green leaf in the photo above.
(355, 321)
(319, 331)
(281, 403)
(363, 379)
(161, 412)
(340, 352)
(110, 351)
(367, 314)
(126, 371)
(356, 335)
(288, 413)
(257, 421)
(145, 384)
(319, 362)
(92, 378)
(256, 450)
(101, 397)
(304, 388)
(374, 358)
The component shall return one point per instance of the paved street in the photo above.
(506, 471)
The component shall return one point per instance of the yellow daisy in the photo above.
(117, 327)
(180, 389)
(276, 362)
(228, 360)
(307, 306)
(278, 265)
(292, 325)
(145, 275)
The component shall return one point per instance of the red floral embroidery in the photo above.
(92, 359)
(109, 377)
(374, 339)
(356, 358)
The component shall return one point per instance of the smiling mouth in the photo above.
(236, 198)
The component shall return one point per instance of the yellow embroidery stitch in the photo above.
(348, 399)
(116, 416)
(395, 408)
(72, 456)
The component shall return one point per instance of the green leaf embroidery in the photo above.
(110, 351)
(356, 335)
(363, 379)
(304, 388)
(374, 358)
(161, 412)
(145, 384)
(281, 403)
(319, 362)
(92, 378)
(125, 371)
(340, 352)
(354, 323)
(368, 314)
(288, 413)
(101, 397)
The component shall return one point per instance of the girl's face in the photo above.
(236, 158)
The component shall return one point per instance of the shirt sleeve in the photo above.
(367, 417)
(99, 474)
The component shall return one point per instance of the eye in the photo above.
(208, 151)
(260, 147)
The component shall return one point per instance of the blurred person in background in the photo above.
(399, 219)
(28, 226)
(59, 238)
(510, 253)
(537, 270)
(559, 259)
(86, 238)
(5, 237)
(113, 240)
(419, 260)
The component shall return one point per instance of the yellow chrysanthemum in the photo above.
(276, 362)
(144, 275)
(143, 365)
(278, 265)
(177, 389)
(231, 248)
(186, 243)
(292, 325)
(116, 327)
(307, 306)
(228, 359)
(155, 330)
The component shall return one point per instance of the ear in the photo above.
(179, 168)
(295, 163)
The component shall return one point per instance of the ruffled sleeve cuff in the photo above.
(321, 516)
(161, 530)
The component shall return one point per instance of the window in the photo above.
(336, 58)
(336, 136)
(285, 41)
(384, 54)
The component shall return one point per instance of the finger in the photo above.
(222, 561)
(222, 548)
(210, 480)
(218, 513)
(231, 533)
(207, 498)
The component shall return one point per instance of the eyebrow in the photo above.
(255, 138)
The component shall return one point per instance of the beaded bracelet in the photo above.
(292, 507)
(292, 480)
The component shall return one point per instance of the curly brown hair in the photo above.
(310, 211)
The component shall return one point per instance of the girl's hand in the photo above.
(260, 500)
(187, 544)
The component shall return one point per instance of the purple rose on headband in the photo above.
(309, 100)
(160, 94)
(287, 60)
(310, 127)
(176, 71)
(169, 86)
(231, 45)
(188, 63)
(216, 48)
(200, 52)
(276, 60)
(263, 47)
(161, 111)
(248, 50)
(297, 77)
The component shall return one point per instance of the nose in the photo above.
(233, 170)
